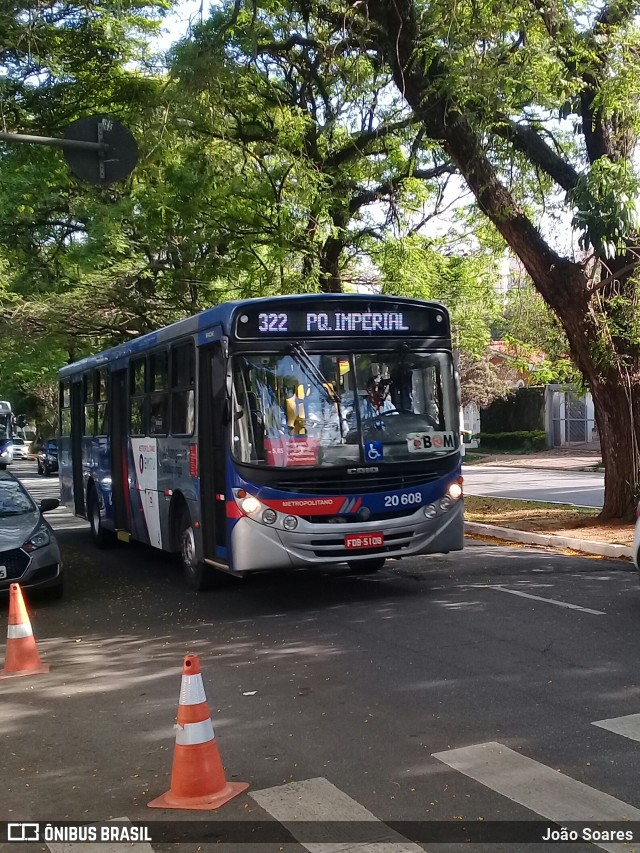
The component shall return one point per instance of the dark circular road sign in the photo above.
(113, 162)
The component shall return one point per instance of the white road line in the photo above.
(628, 726)
(547, 600)
(319, 800)
(101, 846)
(539, 788)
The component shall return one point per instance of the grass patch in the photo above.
(561, 519)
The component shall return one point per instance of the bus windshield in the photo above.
(297, 408)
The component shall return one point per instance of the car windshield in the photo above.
(51, 446)
(310, 409)
(13, 499)
(18, 442)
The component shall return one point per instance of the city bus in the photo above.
(288, 432)
(6, 434)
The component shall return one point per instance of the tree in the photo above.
(490, 85)
(59, 62)
(416, 266)
(532, 330)
(479, 381)
(324, 125)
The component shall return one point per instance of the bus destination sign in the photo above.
(362, 319)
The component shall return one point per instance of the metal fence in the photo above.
(570, 418)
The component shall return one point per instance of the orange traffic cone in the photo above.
(197, 778)
(22, 652)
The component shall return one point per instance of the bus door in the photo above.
(77, 430)
(117, 429)
(212, 452)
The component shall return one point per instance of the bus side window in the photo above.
(137, 398)
(89, 403)
(102, 390)
(183, 389)
(159, 393)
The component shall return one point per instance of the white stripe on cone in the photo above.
(192, 690)
(18, 632)
(193, 733)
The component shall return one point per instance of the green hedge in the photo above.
(522, 440)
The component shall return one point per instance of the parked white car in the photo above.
(20, 448)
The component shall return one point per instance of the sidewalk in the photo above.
(592, 539)
(592, 547)
(556, 459)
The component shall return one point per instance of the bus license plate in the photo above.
(354, 541)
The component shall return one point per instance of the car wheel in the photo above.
(101, 538)
(199, 576)
(366, 567)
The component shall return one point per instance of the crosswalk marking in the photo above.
(628, 726)
(553, 795)
(548, 600)
(319, 800)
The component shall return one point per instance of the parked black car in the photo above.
(48, 458)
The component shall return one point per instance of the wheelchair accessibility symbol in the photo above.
(373, 451)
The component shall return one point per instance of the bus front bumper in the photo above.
(259, 547)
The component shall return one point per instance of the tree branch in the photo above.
(527, 140)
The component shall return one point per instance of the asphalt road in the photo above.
(392, 688)
(579, 488)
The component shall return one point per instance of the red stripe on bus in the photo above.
(233, 510)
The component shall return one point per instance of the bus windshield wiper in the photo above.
(313, 372)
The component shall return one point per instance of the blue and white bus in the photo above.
(276, 433)
(6, 434)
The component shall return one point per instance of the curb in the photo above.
(600, 549)
(589, 469)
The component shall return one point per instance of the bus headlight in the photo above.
(250, 505)
(430, 511)
(290, 522)
(455, 491)
(445, 502)
(269, 516)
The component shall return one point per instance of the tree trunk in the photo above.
(617, 409)
(330, 276)
(610, 366)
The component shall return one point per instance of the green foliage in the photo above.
(464, 284)
(513, 442)
(535, 337)
(480, 382)
(606, 212)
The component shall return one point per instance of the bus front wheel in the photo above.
(366, 567)
(200, 576)
(101, 538)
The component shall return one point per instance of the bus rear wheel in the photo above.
(200, 576)
(366, 567)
